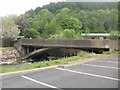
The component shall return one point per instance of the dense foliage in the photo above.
(51, 20)
(31, 33)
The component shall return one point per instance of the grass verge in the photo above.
(80, 57)
(6, 48)
(112, 52)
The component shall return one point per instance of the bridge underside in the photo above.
(40, 53)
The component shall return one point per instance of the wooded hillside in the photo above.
(52, 19)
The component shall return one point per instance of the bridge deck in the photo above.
(88, 43)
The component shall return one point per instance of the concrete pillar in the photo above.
(34, 48)
(27, 52)
(23, 51)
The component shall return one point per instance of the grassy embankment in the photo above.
(80, 57)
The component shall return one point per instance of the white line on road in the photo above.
(42, 83)
(90, 74)
(107, 61)
(100, 66)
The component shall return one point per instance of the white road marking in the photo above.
(90, 74)
(107, 61)
(100, 66)
(42, 83)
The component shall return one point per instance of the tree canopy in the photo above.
(31, 33)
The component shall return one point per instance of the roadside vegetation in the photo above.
(112, 52)
(6, 48)
(79, 57)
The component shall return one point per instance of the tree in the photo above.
(21, 22)
(10, 30)
(69, 33)
(111, 20)
(38, 21)
(53, 7)
(71, 23)
(31, 33)
(52, 27)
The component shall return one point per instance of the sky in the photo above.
(8, 7)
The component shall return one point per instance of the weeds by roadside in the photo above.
(112, 52)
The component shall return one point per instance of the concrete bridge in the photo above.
(31, 47)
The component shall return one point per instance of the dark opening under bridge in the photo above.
(31, 47)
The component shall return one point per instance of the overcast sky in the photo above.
(8, 7)
(20, 6)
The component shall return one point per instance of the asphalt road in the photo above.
(100, 73)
